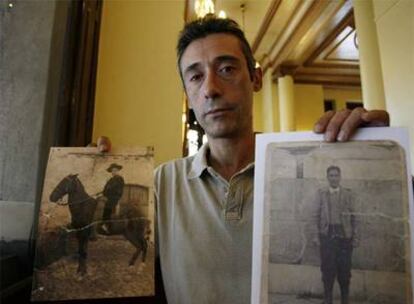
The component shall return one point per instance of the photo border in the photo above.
(119, 152)
(261, 215)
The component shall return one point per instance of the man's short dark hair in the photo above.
(208, 25)
(331, 168)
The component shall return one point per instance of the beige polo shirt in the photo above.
(204, 231)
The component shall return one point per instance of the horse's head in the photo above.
(65, 186)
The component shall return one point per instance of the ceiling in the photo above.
(314, 41)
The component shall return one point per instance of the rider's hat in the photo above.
(112, 166)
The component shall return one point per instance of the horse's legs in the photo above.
(141, 247)
(144, 249)
(83, 238)
(93, 234)
(135, 255)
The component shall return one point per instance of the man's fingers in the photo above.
(351, 123)
(376, 118)
(360, 117)
(341, 125)
(335, 124)
(322, 123)
(103, 144)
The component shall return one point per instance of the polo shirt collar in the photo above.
(199, 163)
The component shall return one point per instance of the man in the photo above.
(113, 190)
(335, 218)
(205, 202)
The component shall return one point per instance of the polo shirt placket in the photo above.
(233, 196)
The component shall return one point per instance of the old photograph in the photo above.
(95, 236)
(336, 223)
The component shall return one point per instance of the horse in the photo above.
(82, 207)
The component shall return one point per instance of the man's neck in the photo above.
(230, 155)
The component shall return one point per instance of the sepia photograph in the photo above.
(336, 223)
(95, 236)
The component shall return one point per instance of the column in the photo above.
(286, 104)
(267, 113)
(270, 120)
(369, 58)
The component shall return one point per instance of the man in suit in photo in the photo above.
(337, 234)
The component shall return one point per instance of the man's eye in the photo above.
(195, 77)
(227, 70)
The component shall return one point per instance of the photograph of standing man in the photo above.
(113, 190)
(337, 234)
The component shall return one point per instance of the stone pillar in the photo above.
(369, 57)
(395, 28)
(286, 104)
(268, 103)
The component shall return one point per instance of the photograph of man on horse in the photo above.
(83, 203)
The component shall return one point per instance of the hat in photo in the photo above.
(114, 165)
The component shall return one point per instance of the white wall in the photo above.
(139, 96)
(395, 28)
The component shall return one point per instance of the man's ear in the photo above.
(257, 79)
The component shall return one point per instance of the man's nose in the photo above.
(212, 87)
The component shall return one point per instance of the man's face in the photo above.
(218, 85)
(334, 178)
(114, 171)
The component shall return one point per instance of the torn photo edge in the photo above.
(261, 218)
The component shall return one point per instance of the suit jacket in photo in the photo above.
(346, 206)
(114, 188)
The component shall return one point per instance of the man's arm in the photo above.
(114, 187)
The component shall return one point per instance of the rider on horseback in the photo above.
(113, 190)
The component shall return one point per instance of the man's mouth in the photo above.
(218, 112)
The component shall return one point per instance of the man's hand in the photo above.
(342, 124)
(103, 144)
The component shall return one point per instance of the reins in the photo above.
(100, 222)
